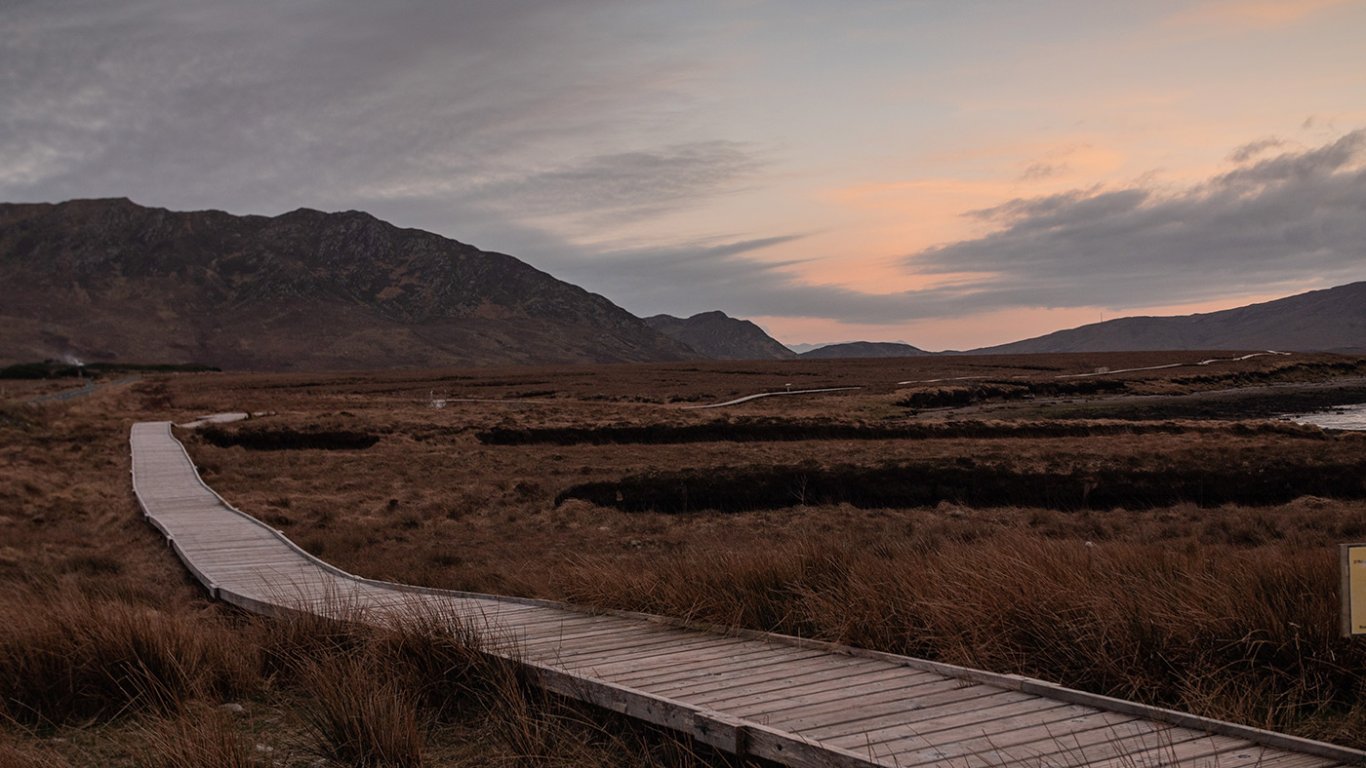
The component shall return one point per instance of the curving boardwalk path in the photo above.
(778, 393)
(797, 702)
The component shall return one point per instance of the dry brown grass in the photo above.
(13, 755)
(69, 657)
(1227, 611)
(361, 716)
(111, 656)
(204, 739)
(420, 692)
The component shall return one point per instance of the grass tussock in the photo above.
(70, 657)
(201, 740)
(361, 716)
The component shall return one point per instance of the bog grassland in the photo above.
(1149, 534)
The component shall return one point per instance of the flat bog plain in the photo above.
(1140, 526)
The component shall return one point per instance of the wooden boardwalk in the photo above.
(797, 702)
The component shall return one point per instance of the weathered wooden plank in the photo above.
(1040, 712)
(1191, 752)
(623, 648)
(587, 634)
(639, 653)
(1027, 728)
(720, 659)
(1261, 736)
(761, 676)
(871, 680)
(714, 665)
(1070, 752)
(780, 711)
(900, 716)
(683, 659)
(574, 653)
(782, 677)
(951, 696)
(571, 627)
(746, 667)
(1297, 760)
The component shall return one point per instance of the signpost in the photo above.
(1353, 589)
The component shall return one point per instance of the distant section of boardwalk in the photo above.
(796, 702)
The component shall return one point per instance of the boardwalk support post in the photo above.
(725, 733)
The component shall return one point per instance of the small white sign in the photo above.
(1353, 589)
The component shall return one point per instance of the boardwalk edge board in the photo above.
(717, 729)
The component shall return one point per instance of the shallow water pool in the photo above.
(1337, 417)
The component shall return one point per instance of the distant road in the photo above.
(1173, 365)
(216, 418)
(89, 388)
(747, 398)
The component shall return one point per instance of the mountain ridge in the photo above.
(850, 349)
(1324, 320)
(109, 279)
(721, 337)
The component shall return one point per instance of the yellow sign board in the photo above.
(1353, 589)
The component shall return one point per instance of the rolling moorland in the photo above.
(1149, 534)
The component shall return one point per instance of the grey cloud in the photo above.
(698, 254)
(1325, 160)
(1266, 226)
(266, 106)
(686, 278)
(1037, 171)
(1272, 223)
(1269, 225)
(625, 185)
(440, 117)
(1254, 148)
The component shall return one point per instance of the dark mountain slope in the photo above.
(864, 349)
(112, 280)
(721, 337)
(1333, 319)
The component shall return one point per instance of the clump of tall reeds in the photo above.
(198, 740)
(67, 657)
(362, 716)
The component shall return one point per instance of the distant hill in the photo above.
(864, 349)
(110, 280)
(1329, 320)
(721, 337)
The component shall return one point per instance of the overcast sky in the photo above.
(952, 173)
